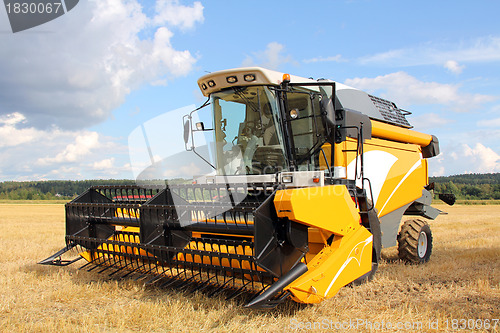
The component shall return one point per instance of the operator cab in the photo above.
(259, 128)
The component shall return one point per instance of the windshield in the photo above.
(248, 137)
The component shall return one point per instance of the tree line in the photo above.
(468, 187)
(51, 189)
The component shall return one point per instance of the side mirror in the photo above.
(200, 126)
(328, 108)
(187, 130)
(345, 123)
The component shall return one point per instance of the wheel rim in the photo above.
(422, 244)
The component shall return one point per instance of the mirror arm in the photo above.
(194, 151)
(188, 127)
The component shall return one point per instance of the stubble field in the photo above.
(461, 282)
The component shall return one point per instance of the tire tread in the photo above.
(408, 241)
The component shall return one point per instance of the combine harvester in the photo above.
(311, 179)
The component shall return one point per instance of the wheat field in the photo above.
(459, 286)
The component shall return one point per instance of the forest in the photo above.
(465, 187)
(469, 186)
(51, 189)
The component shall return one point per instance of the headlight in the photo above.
(249, 77)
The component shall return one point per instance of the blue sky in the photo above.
(74, 89)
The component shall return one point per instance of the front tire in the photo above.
(415, 242)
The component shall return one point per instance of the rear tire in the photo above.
(415, 242)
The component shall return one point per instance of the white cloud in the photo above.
(337, 58)
(12, 119)
(481, 159)
(11, 136)
(62, 172)
(454, 67)
(187, 171)
(178, 62)
(169, 11)
(439, 172)
(272, 57)
(93, 57)
(484, 49)
(428, 120)
(106, 164)
(495, 123)
(464, 158)
(29, 153)
(405, 89)
(74, 152)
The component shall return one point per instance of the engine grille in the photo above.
(390, 112)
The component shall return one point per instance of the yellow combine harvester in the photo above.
(311, 179)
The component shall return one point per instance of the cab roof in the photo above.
(245, 76)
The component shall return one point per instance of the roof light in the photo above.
(204, 86)
(231, 79)
(211, 83)
(249, 77)
(286, 77)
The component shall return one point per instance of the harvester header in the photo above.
(310, 179)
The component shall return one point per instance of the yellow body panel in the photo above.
(403, 179)
(317, 239)
(327, 210)
(397, 171)
(347, 258)
(328, 207)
